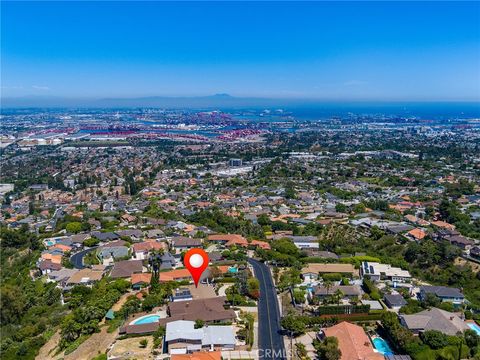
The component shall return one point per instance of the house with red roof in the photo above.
(199, 355)
(443, 225)
(353, 342)
(227, 239)
(142, 280)
(141, 250)
(416, 234)
(237, 240)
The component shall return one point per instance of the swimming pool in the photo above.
(474, 327)
(147, 319)
(233, 269)
(382, 346)
(50, 242)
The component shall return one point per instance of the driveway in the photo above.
(270, 341)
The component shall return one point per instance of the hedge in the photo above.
(310, 321)
(343, 309)
(332, 277)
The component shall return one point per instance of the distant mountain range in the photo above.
(214, 101)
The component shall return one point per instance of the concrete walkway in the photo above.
(223, 288)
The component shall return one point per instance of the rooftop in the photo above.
(353, 342)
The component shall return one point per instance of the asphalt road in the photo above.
(270, 341)
(77, 259)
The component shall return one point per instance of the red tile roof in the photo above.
(261, 244)
(212, 355)
(443, 224)
(148, 246)
(418, 234)
(226, 237)
(353, 342)
(238, 240)
(175, 275)
(141, 278)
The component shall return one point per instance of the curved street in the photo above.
(77, 259)
(270, 340)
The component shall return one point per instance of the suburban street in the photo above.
(77, 259)
(270, 342)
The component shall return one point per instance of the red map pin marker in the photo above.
(196, 261)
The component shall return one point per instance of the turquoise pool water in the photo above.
(474, 327)
(233, 270)
(382, 346)
(51, 242)
(146, 319)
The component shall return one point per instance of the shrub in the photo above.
(100, 357)
(91, 242)
(332, 277)
(143, 343)
(434, 339)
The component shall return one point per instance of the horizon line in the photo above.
(226, 96)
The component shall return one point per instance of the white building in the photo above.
(182, 337)
(378, 272)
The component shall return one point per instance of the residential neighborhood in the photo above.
(317, 250)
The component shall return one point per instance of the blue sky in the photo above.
(325, 50)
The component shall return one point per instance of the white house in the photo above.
(378, 272)
(182, 337)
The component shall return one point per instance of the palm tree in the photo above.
(155, 261)
(338, 296)
(70, 329)
(328, 285)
